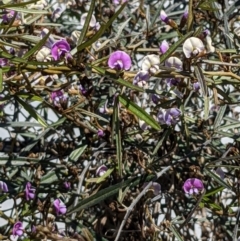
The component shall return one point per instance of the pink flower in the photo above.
(169, 116)
(164, 17)
(18, 229)
(193, 186)
(60, 207)
(119, 1)
(29, 191)
(164, 47)
(7, 17)
(3, 186)
(60, 48)
(119, 60)
(101, 170)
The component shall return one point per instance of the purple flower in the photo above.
(220, 172)
(7, 17)
(100, 133)
(83, 90)
(59, 49)
(185, 15)
(29, 191)
(58, 98)
(60, 207)
(3, 62)
(119, 1)
(169, 116)
(101, 170)
(141, 79)
(193, 186)
(196, 86)
(104, 109)
(18, 229)
(172, 82)
(156, 187)
(56, 13)
(164, 47)
(164, 17)
(155, 98)
(55, 94)
(119, 60)
(67, 185)
(206, 32)
(3, 186)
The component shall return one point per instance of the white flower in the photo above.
(193, 47)
(93, 23)
(174, 62)
(75, 36)
(210, 48)
(151, 63)
(43, 54)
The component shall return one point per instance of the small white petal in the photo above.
(193, 46)
(210, 48)
(150, 61)
(174, 62)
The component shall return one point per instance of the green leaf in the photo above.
(219, 116)
(17, 4)
(29, 97)
(139, 112)
(201, 79)
(175, 232)
(74, 156)
(32, 112)
(217, 178)
(25, 10)
(86, 24)
(118, 81)
(156, 15)
(213, 191)
(102, 178)
(175, 46)
(117, 130)
(129, 85)
(108, 192)
(164, 137)
(49, 178)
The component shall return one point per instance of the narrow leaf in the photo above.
(219, 116)
(32, 112)
(108, 192)
(139, 112)
(217, 179)
(74, 156)
(175, 232)
(86, 24)
(118, 137)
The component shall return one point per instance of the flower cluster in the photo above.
(193, 186)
